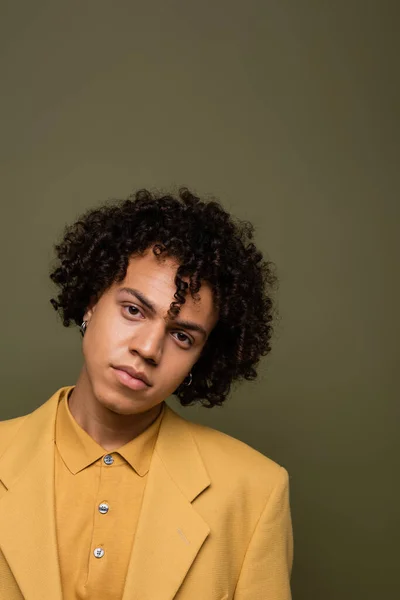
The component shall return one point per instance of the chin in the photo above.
(118, 409)
(120, 400)
(123, 405)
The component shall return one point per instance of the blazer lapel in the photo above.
(27, 510)
(170, 532)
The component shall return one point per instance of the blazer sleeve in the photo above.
(267, 566)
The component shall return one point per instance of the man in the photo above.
(105, 492)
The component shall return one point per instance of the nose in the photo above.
(148, 342)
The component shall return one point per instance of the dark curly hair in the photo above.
(209, 245)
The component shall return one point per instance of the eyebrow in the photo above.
(189, 325)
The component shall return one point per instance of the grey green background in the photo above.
(288, 112)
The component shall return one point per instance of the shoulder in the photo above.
(8, 430)
(40, 421)
(236, 463)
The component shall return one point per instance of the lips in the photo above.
(133, 373)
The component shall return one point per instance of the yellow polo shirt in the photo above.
(98, 496)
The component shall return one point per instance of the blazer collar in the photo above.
(169, 534)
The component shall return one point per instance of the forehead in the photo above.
(155, 277)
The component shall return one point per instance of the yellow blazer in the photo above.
(214, 525)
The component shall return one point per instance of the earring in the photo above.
(190, 376)
(82, 328)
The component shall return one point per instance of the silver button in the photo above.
(103, 508)
(98, 552)
(108, 459)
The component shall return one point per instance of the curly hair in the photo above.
(209, 245)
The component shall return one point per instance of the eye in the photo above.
(182, 337)
(132, 310)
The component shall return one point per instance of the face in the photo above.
(129, 327)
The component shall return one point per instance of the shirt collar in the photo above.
(78, 450)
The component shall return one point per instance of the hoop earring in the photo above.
(190, 376)
(82, 328)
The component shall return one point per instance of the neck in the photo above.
(109, 429)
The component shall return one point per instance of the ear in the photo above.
(90, 309)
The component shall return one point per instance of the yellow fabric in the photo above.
(214, 523)
(82, 482)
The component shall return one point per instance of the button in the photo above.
(98, 552)
(108, 459)
(103, 508)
